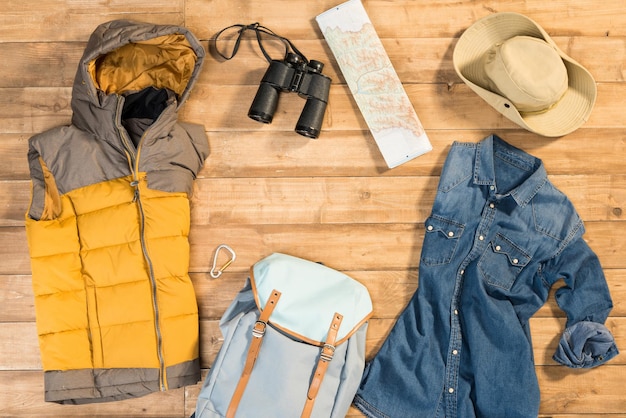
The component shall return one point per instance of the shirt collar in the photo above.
(484, 168)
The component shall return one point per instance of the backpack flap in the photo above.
(311, 295)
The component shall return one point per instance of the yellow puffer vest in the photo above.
(109, 220)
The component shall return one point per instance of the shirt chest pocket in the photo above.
(502, 262)
(440, 242)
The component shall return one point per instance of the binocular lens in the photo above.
(264, 104)
(310, 121)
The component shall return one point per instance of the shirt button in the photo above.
(456, 312)
(455, 352)
(462, 272)
(515, 261)
(491, 205)
(481, 238)
(451, 390)
(492, 187)
(498, 248)
(430, 227)
(450, 234)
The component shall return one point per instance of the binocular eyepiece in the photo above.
(293, 74)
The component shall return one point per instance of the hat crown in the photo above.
(527, 71)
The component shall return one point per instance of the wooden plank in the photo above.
(286, 154)
(595, 391)
(16, 298)
(14, 150)
(19, 346)
(563, 389)
(344, 247)
(286, 200)
(15, 259)
(358, 200)
(556, 382)
(356, 247)
(545, 332)
(410, 19)
(75, 20)
(40, 64)
(354, 153)
(439, 106)
(390, 292)
(21, 350)
(22, 394)
(33, 110)
(416, 60)
(355, 413)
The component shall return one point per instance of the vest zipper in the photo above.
(132, 155)
(155, 306)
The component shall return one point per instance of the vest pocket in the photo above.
(502, 262)
(441, 239)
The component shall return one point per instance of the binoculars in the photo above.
(293, 74)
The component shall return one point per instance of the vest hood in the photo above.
(124, 57)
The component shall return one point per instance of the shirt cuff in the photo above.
(586, 344)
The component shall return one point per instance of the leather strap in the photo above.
(326, 355)
(258, 331)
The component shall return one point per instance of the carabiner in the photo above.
(217, 273)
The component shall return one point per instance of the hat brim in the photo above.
(564, 117)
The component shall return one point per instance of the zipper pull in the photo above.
(135, 184)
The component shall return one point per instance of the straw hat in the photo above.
(514, 65)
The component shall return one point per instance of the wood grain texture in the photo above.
(266, 189)
(23, 354)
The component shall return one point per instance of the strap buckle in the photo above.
(328, 351)
(258, 331)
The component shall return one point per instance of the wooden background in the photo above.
(266, 189)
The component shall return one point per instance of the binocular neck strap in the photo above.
(259, 30)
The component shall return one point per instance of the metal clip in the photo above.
(217, 273)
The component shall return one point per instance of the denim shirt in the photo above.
(498, 238)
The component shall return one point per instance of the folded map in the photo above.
(374, 83)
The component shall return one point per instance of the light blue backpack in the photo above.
(294, 344)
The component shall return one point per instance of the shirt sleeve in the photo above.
(586, 341)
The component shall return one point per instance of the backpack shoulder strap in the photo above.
(258, 331)
(326, 355)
